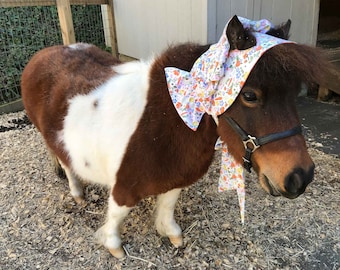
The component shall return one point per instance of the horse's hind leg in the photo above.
(59, 171)
(76, 188)
(165, 221)
(109, 235)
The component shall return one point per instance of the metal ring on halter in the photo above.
(253, 142)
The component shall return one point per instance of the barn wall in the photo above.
(228, 8)
(149, 26)
(303, 13)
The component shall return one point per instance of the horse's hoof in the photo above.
(80, 201)
(117, 252)
(177, 240)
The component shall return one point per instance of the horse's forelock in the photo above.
(292, 61)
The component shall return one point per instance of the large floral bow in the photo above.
(212, 86)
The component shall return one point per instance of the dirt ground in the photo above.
(42, 227)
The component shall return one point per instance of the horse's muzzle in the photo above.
(297, 181)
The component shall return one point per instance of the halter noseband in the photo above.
(252, 143)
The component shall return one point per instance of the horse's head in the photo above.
(266, 106)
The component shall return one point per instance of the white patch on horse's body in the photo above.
(80, 46)
(127, 68)
(98, 126)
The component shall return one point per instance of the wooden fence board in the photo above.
(66, 22)
(332, 81)
(112, 28)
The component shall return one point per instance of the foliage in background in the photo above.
(88, 25)
(25, 30)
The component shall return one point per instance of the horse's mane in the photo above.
(292, 61)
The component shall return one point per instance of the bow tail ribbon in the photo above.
(231, 177)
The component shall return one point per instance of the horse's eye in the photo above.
(249, 96)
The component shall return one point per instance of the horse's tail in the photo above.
(56, 165)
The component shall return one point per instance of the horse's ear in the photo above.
(285, 29)
(281, 31)
(234, 31)
(238, 37)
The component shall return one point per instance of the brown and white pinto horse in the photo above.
(114, 124)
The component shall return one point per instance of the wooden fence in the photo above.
(63, 8)
(65, 16)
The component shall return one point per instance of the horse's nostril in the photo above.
(297, 181)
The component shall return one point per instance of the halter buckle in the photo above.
(251, 144)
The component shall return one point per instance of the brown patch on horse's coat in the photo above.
(179, 156)
(87, 69)
(174, 160)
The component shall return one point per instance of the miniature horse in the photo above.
(114, 124)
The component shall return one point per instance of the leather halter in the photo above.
(251, 143)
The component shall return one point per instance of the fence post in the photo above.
(66, 22)
(112, 27)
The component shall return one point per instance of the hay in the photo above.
(42, 227)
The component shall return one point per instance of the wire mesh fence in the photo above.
(25, 30)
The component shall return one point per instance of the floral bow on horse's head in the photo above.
(216, 79)
(218, 75)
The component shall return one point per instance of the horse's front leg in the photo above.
(108, 235)
(165, 221)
